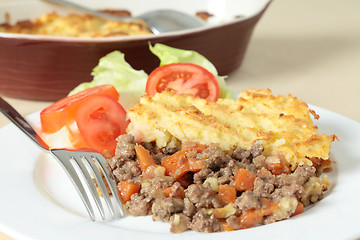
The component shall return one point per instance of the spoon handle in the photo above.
(15, 117)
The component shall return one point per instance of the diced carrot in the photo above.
(250, 218)
(244, 180)
(178, 164)
(126, 189)
(144, 157)
(227, 194)
(269, 207)
(194, 164)
(174, 163)
(263, 171)
(186, 179)
(167, 191)
(174, 191)
(277, 165)
(299, 209)
(150, 171)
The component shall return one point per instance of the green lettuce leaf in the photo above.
(168, 55)
(113, 69)
(130, 83)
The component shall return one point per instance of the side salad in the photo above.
(131, 83)
(93, 115)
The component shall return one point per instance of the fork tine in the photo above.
(69, 169)
(85, 174)
(101, 162)
(99, 180)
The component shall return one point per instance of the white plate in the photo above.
(38, 202)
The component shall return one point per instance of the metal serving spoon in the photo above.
(159, 21)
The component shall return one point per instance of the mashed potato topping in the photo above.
(282, 124)
(74, 25)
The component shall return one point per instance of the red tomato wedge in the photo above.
(100, 119)
(53, 117)
(184, 78)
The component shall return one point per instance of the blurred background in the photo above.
(310, 49)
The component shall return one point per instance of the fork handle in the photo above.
(15, 117)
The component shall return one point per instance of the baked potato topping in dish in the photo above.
(74, 25)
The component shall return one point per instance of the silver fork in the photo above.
(87, 163)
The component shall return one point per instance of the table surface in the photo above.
(310, 49)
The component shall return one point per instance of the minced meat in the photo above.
(195, 199)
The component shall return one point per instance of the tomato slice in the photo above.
(53, 118)
(73, 132)
(184, 78)
(100, 120)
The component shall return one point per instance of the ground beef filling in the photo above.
(213, 195)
